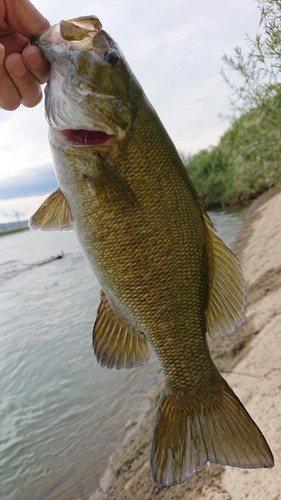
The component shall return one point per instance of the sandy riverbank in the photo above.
(249, 360)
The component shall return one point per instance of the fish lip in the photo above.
(58, 35)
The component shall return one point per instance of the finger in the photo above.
(10, 99)
(25, 83)
(36, 63)
(2, 57)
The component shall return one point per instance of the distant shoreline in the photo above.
(14, 229)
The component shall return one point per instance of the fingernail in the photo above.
(17, 67)
(33, 58)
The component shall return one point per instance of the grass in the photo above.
(11, 230)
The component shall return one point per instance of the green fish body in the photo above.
(166, 278)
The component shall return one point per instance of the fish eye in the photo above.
(112, 57)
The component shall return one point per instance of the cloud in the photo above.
(175, 50)
(20, 208)
(29, 182)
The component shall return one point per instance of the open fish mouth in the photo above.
(82, 137)
(77, 103)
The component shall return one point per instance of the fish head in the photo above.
(88, 96)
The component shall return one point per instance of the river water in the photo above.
(61, 414)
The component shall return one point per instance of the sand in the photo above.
(250, 362)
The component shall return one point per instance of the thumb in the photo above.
(24, 18)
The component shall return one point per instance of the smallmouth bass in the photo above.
(166, 278)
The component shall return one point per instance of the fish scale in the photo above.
(166, 277)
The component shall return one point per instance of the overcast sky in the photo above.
(175, 49)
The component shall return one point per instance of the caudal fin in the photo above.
(188, 434)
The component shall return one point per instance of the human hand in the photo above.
(22, 66)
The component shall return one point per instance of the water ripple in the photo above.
(61, 413)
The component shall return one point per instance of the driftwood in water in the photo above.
(49, 259)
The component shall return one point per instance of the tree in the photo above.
(260, 69)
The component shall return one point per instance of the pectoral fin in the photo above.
(116, 344)
(53, 215)
(109, 185)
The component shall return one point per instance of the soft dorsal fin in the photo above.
(226, 310)
(116, 344)
(53, 215)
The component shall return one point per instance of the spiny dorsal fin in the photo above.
(226, 310)
(117, 345)
(53, 215)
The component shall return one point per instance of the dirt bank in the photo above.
(249, 360)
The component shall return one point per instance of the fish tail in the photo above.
(188, 434)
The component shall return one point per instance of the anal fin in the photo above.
(116, 344)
